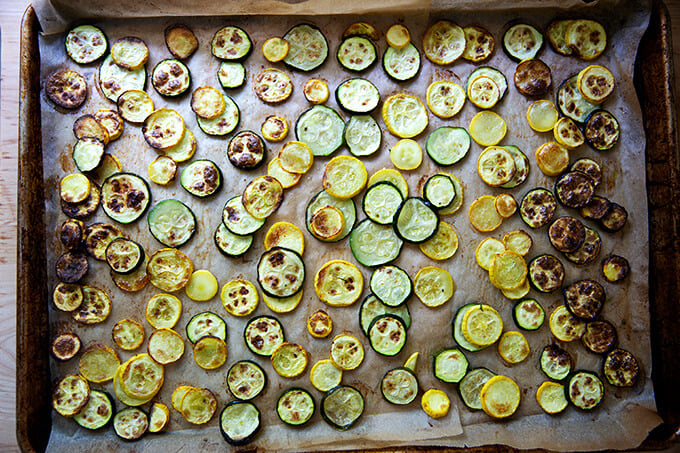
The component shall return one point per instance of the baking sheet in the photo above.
(626, 416)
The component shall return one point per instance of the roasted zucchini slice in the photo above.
(595, 83)
(210, 352)
(71, 267)
(551, 397)
(435, 403)
(500, 397)
(321, 128)
(262, 196)
(585, 390)
(66, 88)
(571, 102)
(391, 285)
(615, 268)
(163, 311)
(372, 308)
(615, 218)
(528, 314)
(552, 158)
(397, 35)
(342, 406)
(283, 305)
(170, 77)
(202, 286)
(172, 223)
(97, 413)
(487, 250)
(67, 296)
(95, 308)
(231, 74)
(316, 91)
(201, 178)
(263, 334)
(481, 325)
(208, 103)
(401, 64)
(381, 202)
(450, 365)
(325, 375)
(587, 38)
(387, 335)
(114, 80)
(590, 168)
(479, 44)
(347, 352)
(522, 42)
(521, 167)
(542, 115)
(496, 166)
(70, 395)
(71, 233)
(240, 421)
(130, 423)
(133, 282)
(448, 145)
(565, 326)
(85, 44)
(162, 170)
(128, 334)
(487, 128)
(344, 177)
(602, 130)
(444, 42)
(357, 95)
(399, 386)
(513, 347)
(275, 49)
(163, 129)
(289, 360)
(286, 178)
(87, 153)
(555, 362)
(308, 48)
(584, 299)
(125, 197)
(600, 337)
(181, 41)
(357, 53)
(222, 124)
(231, 245)
(319, 324)
(327, 223)
(483, 214)
(567, 234)
(159, 417)
(141, 376)
(433, 286)
(588, 250)
(97, 237)
(508, 270)
(198, 406)
(98, 363)
(135, 106)
(239, 297)
(533, 78)
(556, 32)
(296, 157)
(546, 273)
(124, 255)
(443, 245)
(274, 128)
(88, 126)
(537, 207)
(231, 43)
(238, 220)
(280, 272)
(568, 134)
(295, 406)
(404, 115)
(284, 234)
(273, 86)
(246, 150)
(506, 206)
(596, 209)
(338, 283)
(470, 387)
(165, 346)
(457, 328)
(246, 379)
(483, 92)
(406, 154)
(345, 206)
(445, 99)
(169, 269)
(415, 221)
(130, 53)
(620, 368)
(373, 244)
(206, 324)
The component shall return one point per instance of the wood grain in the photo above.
(11, 12)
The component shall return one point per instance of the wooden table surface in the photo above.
(11, 12)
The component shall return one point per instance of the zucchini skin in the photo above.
(327, 418)
(363, 68)
(318, 65)
(107, 421)
(455, 380)
(400, 79)
(415, 394)
(518, 58)
(521, 324)
(588, 374)
(289, 422)
(207, 164)
(396, 221)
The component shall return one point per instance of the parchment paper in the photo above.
(626, 415)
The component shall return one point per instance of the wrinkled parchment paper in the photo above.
(626, 415)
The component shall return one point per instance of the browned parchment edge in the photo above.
(654, 84)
